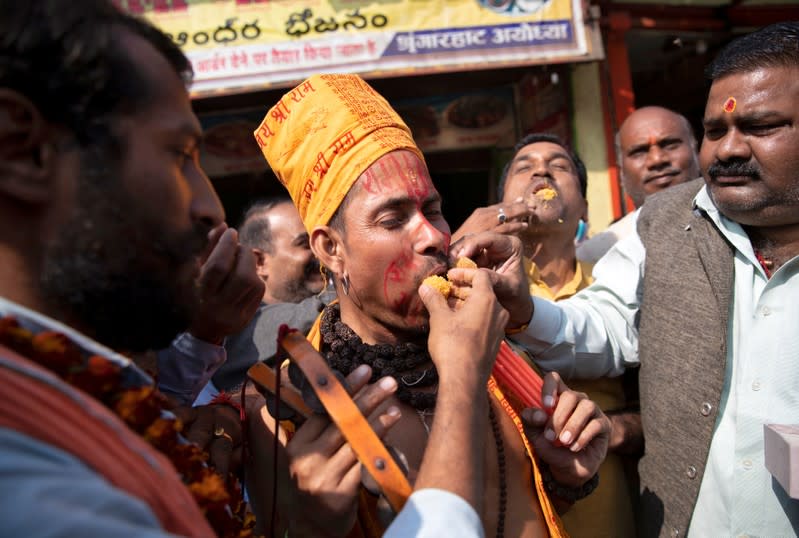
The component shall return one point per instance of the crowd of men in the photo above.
(130, 312)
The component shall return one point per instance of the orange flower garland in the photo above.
(141, 408)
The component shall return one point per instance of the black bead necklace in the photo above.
(344, 351)
(503, 484)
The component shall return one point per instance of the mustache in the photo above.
(733, 168)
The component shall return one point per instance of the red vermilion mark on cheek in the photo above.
(400, 304)
(729, 105)
(397, 272)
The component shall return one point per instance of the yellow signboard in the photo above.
(235, 44)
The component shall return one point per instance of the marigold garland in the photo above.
(141, 408)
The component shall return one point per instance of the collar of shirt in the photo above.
(538, 288)
(731, 230)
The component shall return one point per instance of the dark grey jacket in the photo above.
(258, 340)
(687, 288)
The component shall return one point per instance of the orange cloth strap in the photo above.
(33, 402)
(342, 410)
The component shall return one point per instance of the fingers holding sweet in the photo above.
(471, 330)
(502, 254)
(434, 301)
(487, 249)
(504, 218)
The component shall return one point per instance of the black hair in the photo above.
(776, 45)
(66, 57)
(579, 166)
(254, 230)
(336, 221)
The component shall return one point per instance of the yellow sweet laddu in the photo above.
(546, 194)
(465, 263)
(441, 284)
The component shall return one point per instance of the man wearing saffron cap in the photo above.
(375, 222)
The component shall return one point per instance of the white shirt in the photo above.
(595, 333)
(432, 513)
(592, 249)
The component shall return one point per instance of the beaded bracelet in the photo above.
(567, 493)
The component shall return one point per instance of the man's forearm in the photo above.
(460, 420)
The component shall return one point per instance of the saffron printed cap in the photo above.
(322, 135)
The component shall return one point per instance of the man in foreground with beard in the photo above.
(105, 221)
(703, 296)
(375, 222)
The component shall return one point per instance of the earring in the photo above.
(582, 229)
(345, 284)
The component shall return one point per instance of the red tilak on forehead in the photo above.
(374, 178)
(416, 183)
(729, 105)
(653, 140)
(409, 171)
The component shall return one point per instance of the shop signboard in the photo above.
(241, 45)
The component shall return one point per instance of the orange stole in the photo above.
(553, 522)
(87, 429)
(368, 526)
